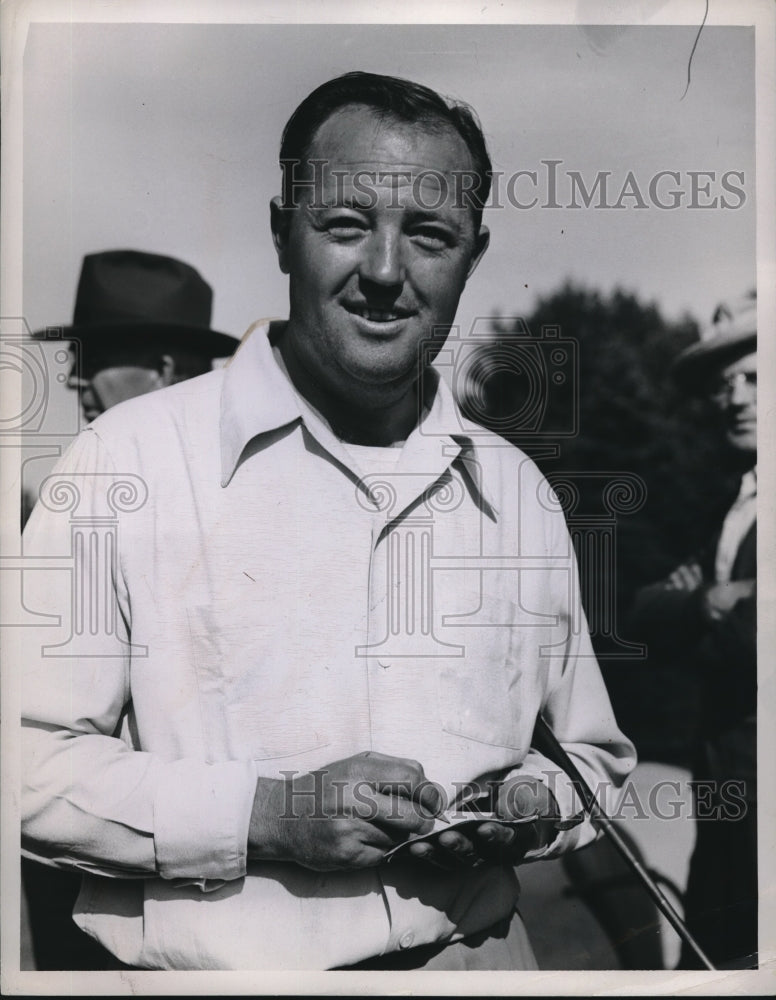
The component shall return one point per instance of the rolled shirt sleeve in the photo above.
(90, 798)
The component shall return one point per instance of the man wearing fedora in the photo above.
(141, 322)
(704, 617)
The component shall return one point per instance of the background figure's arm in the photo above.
(733, 637)
(669, 615)
(90, 800)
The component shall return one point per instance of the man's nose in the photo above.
(740, 392)
(383, 262)
(74, 381)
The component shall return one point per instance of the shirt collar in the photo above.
(748, 484)
(257, 397)
(445, 422)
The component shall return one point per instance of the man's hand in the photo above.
(517, 797)
(687, 577)
(720, 599)
(346, 815)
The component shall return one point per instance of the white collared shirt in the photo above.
(268, 609)
(738, 521)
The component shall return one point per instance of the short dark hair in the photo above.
(392, 98)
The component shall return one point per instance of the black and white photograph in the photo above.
(379, 592)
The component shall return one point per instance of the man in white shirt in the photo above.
(141, 321)
(315, 607)
(704, 617)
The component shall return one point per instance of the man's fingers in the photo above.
(400, 776)
(396, 813)
(524, 797)
(431, 797)
(499, 843)
(496, 835)
(721, 598)
(403, 778)
(694, 574)
(427, 796)
(455, 845)
(429, 855)
(380, 767)
(689, 576)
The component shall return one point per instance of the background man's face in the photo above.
(734, 394)
(107, 381)
(373, 274)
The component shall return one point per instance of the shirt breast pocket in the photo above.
(481, 693)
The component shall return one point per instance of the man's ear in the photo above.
(280, 220)
(166, 369)
(480, 246)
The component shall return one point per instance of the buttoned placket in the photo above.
(400, 616)
(398, 591)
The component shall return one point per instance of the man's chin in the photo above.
(383, 378)
(743, 441)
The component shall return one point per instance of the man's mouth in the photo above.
(743, 427)
(374, 315)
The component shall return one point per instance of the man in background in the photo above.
(704, 617)
(141, 322)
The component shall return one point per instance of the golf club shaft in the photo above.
(545, 741)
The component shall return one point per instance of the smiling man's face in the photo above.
(378, 256)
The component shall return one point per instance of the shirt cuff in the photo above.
(201, 817)
(574, 826)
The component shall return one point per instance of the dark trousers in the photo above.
(57, 942)
(721, 899)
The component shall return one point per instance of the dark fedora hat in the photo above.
(731, 334)
(128, 296)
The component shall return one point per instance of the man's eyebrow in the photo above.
(439, 216)
(334, 200)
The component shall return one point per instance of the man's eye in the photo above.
(346, 226)
(432, 239)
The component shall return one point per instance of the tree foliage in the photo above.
(629, 416)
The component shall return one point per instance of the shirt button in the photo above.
(406, 940)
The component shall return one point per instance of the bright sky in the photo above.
(164, 138)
